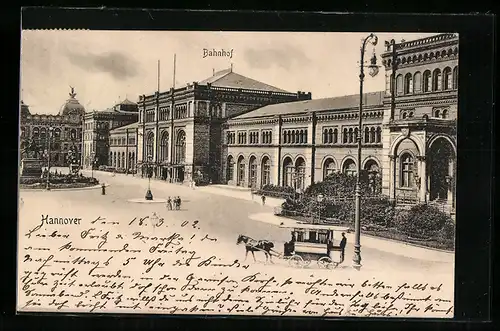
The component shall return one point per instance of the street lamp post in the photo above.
(149, 168)
(51, 129)
(92, 161)
(373, 71)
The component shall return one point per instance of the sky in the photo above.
(105, 67)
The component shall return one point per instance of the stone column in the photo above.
(392, 176)
(451, 173)
(423, 178)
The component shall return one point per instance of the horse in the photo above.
(252, 245)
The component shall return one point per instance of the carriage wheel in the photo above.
(326, 263)
(296, 261)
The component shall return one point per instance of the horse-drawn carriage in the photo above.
(310, 242)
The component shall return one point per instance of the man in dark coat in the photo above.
(342, 245)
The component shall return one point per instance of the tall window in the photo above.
(230, 168)
(349, 167)
(110, 161)
(180, 147)
(417, 82)
(124, 165)
(253, 172)
(164, 146)
(266, 171)
(241, 171)
(114, 160)
(408, 84)
(436, 80)
(447, 79)
(329, 168)
(150, 141)
(288, 173)
(407, 170)
(427, 81)
(335, 135)
(300, 170)
(399, 85)
(455, 78)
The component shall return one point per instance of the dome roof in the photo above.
(72, 106)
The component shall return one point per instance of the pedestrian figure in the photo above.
(342, 245)
(263, 200)
(169, 203)
(251, 193)
(178, 202)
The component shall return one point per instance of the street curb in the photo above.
(64, 189)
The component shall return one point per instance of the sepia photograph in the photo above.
(238, 173)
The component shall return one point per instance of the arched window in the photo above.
(447, 79)
(436, 80)
(345, 136)
(288, 172)
(356, 135)
(367, 135)
(115, 164)
(300, 170)
(372, 135)
(266, 171)
(73, 134)
(150, 141)
(378, 139)
(437, 113)
(57, 134)
(351, 135)
(427, 81)
(330, 136)
(180, 147)
(293, 137)
(325, 136)
(289, 137)
(417, 82)
(335, 136)
(329, 168)
(43, 134)
(119, 160)
(445, 113)
(403, 115)
(455, 78)
(373, 170)
(301, 136)
(164, 146)
(124, 165)
(252, 173)
(285, 141)
(349, 167)
(240, 181)
(408, 84)
(406, 179)
(230, 168)
(36, 133)
(110, 161)
(399, 85)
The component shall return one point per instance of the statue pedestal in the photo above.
(31, 167)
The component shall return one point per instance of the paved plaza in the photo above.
(225, 213)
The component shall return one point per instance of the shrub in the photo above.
(277, 191)
(423, 221)
(378, 211)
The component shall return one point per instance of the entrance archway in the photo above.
(441, 169)
(241, 171)
(373, 171)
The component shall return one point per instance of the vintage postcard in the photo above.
(238, 173)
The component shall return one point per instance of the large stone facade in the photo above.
(123, 148)
(180, 131)
(408, 135)
(297, 144)
(421, 119)
(97, 127)
(62, 131)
